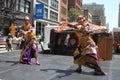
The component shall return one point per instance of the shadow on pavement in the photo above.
(14, 62)
(66, 72)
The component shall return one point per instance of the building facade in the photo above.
(74, 9)
(6, 12)
(77, 4)
(51, 15)
(13, 11)
(98, 13)
(87, 15)
(119, 16)
(63, 10)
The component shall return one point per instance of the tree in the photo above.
(73, 13)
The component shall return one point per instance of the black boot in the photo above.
(78, 70)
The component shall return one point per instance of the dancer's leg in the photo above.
(36, 53)
(79, 69)
(36, 58)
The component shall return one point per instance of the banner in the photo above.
(39, 11)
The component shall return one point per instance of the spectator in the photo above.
(9, 42)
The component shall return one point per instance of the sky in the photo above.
(111, 10)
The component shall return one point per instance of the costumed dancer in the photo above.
(30, 49)
(86, 51)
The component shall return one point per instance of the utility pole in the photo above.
(34, 20)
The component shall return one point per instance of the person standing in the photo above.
(9, 42)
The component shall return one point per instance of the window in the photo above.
(54, 4)
(53, 16)
(63, 10)
(23, 6)
(17, 5)
(46, 1)
(71, 1)
(27, 7)
(78, 2)
(46, 13)
(40, 29)
(7, 3)
(64, 1)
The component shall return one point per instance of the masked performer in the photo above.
(86, 52)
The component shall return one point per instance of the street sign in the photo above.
(39, 11)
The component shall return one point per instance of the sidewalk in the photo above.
(3, 50)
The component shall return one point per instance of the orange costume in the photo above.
(30, 50)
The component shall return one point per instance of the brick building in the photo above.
(63, 10)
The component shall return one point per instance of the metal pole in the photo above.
(34, 20)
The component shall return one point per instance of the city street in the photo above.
(53, 67)
(59, 27)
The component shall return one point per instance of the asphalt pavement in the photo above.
(53, 67)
